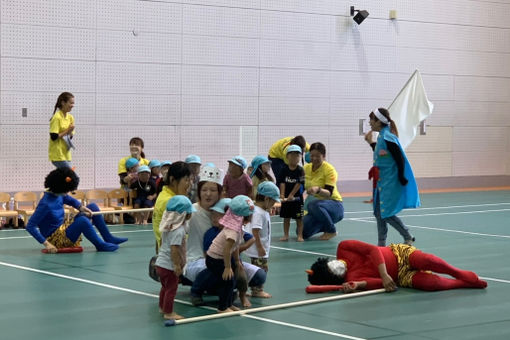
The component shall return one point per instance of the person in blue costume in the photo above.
(396, 188)
(48, 226)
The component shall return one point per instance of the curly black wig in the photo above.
(61, 181)
(321, 274)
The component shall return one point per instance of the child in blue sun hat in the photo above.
(194, 162)
(292, 180)
(172, 253)
(260, 168)
(236, 181)
(225, 246)
(268, 195)
(145, 189)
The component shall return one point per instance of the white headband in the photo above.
(381, 117)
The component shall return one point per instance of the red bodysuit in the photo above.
(362, 260)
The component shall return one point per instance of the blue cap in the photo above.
(166, 163)
(240, 161)
(308, 158)
(154, 163)
(242, 205)
(210, 164)
(294, 148)
(144, 168)
(221, 205)
(131, 162)
(180, 204)
(193, 159)
(258, 161)
(269, 189)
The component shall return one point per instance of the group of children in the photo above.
(245, 208)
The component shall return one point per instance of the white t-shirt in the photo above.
(199, 223)
(175, 237)
(260, 220)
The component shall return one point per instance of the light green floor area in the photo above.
(110, 296)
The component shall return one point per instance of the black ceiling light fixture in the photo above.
(360, 16)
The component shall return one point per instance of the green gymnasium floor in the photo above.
(110, 296)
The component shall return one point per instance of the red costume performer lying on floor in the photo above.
(363, 266)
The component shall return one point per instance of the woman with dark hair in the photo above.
(324, 202)
(177, 182)
(47, 224)
(62, 131)
(363, 266)
(278, 153)
(396, 188)
(136, 146)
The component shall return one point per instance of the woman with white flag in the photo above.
(396, 188)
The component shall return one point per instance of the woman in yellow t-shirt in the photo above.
(278, 153)
(326, 208)
(62, 131)
(136, 146)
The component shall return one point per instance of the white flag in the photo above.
(409, 108)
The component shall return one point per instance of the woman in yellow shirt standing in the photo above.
(326, 208)
(62, 131)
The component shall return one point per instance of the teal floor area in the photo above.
(110, 295)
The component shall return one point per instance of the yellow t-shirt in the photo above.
(279, 149)
(159, 208)
(122, 164)
(324, 175)
(57, 149)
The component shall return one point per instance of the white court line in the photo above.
(132, 291)
(438, 214)
(303, 327)
(437, 208)
(440, 229)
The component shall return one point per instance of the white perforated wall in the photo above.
(222, 77)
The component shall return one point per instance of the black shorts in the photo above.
(292, 209)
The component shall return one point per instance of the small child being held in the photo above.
(172, 253)
(236, 182)
(145, 188)
(260, 226)
(260, 167)
(225, 245)
(292, 177)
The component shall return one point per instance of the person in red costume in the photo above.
(362, 266)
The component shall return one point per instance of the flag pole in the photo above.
(403, 87)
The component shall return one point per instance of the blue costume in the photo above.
(47, 223)
(390, 195)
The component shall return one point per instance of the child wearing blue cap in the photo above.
(226, 245)
(260, 226)
(236, 181)
(292, 179)
(155, 167)
(172, 253)
(260, 167)
(194, 162)
(145, 189)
